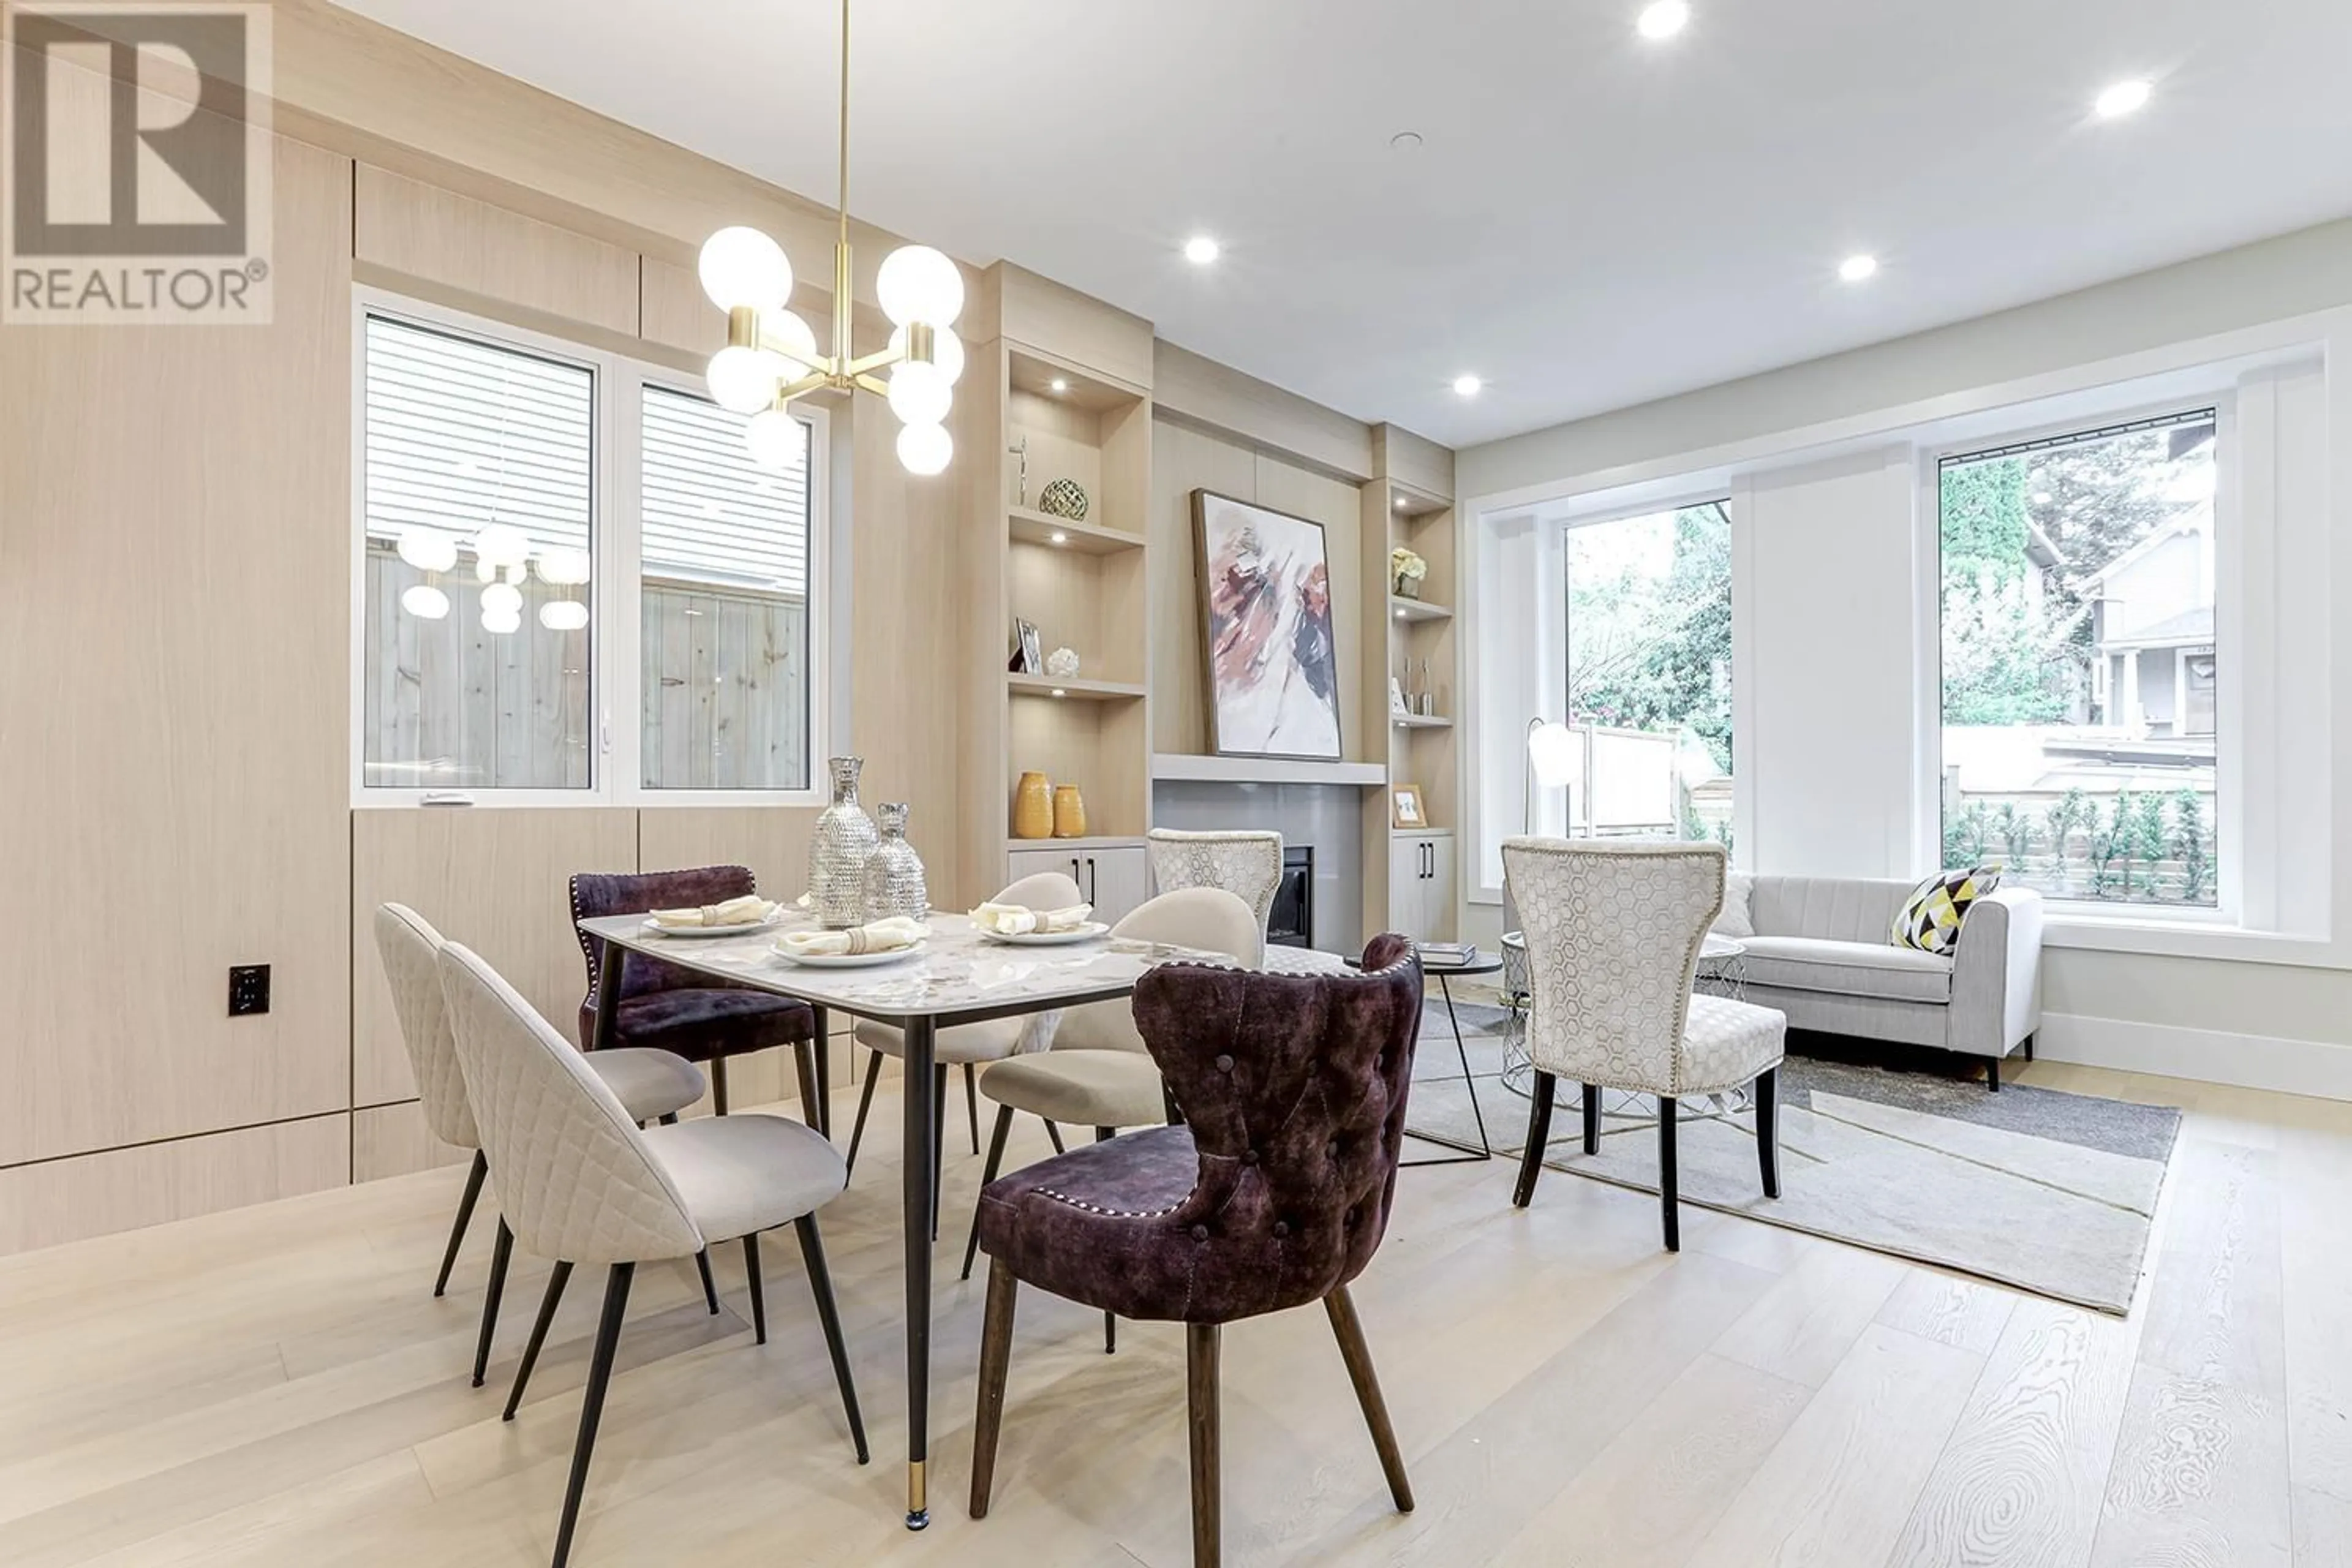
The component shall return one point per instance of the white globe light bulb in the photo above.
(920, 394)
(790, 336)
(428, 549)
(773, 438)
(947, 351)
(743, 267)
(501, 598)
(925, 449)
(485, 572)
(501, 623)
(564, 568)
(501, 544)
(1552, 750)
(919, 284)
(425, 602)
(563, 615)
(743, 380)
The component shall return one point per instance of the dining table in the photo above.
(957, 975)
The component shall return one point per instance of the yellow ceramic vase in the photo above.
(1033, 808)
(1069, 813)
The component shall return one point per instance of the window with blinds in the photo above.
(724, 574)
(477, 487)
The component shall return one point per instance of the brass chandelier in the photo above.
(771, 357)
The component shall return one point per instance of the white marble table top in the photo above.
(958, 974)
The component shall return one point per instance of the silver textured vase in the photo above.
(844, 837)
(893, 872)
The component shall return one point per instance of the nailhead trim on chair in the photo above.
(587, 951)
(1113, 1213)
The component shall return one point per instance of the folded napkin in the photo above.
(1012, 919)
(746, 910)
(882, 936)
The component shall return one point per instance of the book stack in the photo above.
(1448, 954)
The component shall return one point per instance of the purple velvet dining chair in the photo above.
(1273, 1194)
(694, 1015)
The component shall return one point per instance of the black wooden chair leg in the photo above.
(718, 1086)
(759, 1289)
(481, 1168)
(865, 1104)
(1768, 1129)
(972, 1102)
(592, 1404)
(557, 1278)
(996, 1360)
(1110, 1320)
(988, 1173)
(821, 1285)
(709, 1286)
(1054, 1134)
(1668, 1199)
(1590, 1107)
(1539, 1135)
(1201, 1347)
(1348, 1330)
(501, 1251)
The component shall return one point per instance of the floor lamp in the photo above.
(1550, 763)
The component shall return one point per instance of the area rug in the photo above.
(2050, 1192)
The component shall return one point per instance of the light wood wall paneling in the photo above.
(394, 1141)
(491, 878)
(422, 230)
(172, 509)
(1200, 391)
(1409, 460)
(59, 1201)
(974, 671)
(1021, 307)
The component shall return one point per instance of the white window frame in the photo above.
(2229, 759)
(615, 638)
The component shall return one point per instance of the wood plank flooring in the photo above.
(277, 1386)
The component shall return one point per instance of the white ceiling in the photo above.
(1594, 220)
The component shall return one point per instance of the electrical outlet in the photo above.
(248, 990)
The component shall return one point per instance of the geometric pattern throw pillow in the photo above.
(1930, 921)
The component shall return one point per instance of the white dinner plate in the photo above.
(1085, 932)
(707, 933)
(847, 960)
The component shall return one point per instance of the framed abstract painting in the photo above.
(1272, 660)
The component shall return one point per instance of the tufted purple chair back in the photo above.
(1294, 1088)
(598, 893)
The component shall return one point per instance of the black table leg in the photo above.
(823, 1025)
(608, 996)
(918, 1161)
(1468, 1155)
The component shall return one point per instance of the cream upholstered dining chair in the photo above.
(649, 1084)
(1613, 931)
(967, 1044)
(1100, 1073)
(1246, 863)
(581, 1183)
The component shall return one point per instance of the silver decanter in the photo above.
(893, 872)
(837, 853)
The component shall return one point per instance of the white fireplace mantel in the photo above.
(1266, 770)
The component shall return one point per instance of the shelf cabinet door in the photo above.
(1421, 887)
(1116, 881)
(1437, 892)
(1026, 863)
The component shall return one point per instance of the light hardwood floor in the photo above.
(277, 1386)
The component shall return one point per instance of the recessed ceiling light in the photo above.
(1664, 19)
(1467, 386)
(1060, 538)
(1059, 693)
(2123, 99)
(1405, 141)
(1400, 614)
(1858, 269)
(1401, 503)
(1060, 384)
(1200, 250)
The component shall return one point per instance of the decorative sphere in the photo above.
(741, 266)
(925, 449)
(920, 394)
(424, 601)
(1061, 664)
(774, 438)
(947, 351)
(1063, 498)
(919, 284)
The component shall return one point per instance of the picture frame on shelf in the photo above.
(1027, 658)
(1406, 809)
(1270, 653)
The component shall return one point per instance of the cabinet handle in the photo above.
(1427, 870)
(1094, 889)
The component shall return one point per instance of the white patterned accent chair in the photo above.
(581, 1183)
(1246, 863)
(1613, 931)
(649, 1084)
(967, 1045)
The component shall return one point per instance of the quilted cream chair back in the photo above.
(1206, 920)
(411, 950)
(1247, 865)
(571, 1172)
(1613, 931)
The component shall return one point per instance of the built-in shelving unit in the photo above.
(1073, 688)
(1030, 526)
(1405, 609)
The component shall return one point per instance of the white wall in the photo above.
(1833, 625)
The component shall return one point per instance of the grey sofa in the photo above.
(1819, 952)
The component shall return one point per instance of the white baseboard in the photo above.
(2208, 1055)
